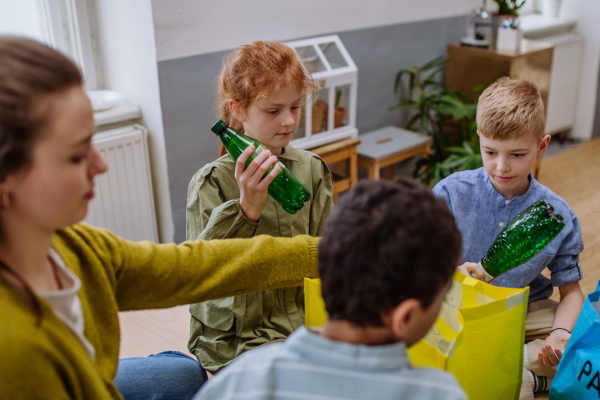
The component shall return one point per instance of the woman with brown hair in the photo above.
(63, 282)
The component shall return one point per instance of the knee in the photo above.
(164, 376)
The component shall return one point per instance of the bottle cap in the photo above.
(219, 126)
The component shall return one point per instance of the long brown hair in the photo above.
(29, 72)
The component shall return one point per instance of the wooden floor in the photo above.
(152, 331)
(575, 176)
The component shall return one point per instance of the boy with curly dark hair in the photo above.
(386, 262)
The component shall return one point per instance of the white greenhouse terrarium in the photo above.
(329, 114)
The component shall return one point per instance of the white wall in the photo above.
(23, 18)
(586, 12)
(190, 27)
(125, 37)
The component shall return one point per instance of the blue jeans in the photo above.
(169, 375)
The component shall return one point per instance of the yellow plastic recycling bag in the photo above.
(478, 336)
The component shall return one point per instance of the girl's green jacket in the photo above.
(221, 330)
(49, 362)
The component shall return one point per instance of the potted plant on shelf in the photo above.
(509, 7)
(433, 105)
(319, 112)
(340, 112)
(507, 20)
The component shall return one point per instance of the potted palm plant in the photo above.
(431, 105)
(319, 113)
(340, 112)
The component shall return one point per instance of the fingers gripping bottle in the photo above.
(522, 239)
(286, 189)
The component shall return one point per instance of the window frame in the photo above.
(70, 30)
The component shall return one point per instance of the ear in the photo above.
(235, 109)
(544, 142)
(402, 317)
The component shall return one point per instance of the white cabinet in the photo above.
(566, 67)
(564, 82)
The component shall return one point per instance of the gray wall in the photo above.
(596, 127)
(187, 91)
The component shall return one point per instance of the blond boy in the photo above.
(510, 121)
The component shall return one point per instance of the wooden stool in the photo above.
(385, 147)
(342, 155)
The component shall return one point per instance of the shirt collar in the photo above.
(514, 201)
(289, 153)
(325, 351)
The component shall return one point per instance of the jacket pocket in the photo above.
(216, 314)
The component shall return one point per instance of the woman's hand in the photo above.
(469, 267)
(554, 347)
(254, 189)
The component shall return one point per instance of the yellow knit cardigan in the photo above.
(47, 361)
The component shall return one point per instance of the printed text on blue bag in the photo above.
(595, 381)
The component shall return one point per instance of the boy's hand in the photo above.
(555, 346)
(253, 188)
(469, 267)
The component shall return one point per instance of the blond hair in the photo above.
(510, 109)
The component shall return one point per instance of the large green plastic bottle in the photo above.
(522, 239)
(289, 192)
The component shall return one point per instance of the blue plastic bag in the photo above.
(578, 374)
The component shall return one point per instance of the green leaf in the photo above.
(457, 150)
(519, 6)
(412, 121)
(405, 104)
(463, 158)
(399, 77)
(455, 161)
(468, 148)
(434, 72)
(436, 62)
(479, 89)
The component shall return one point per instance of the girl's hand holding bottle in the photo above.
(253, 187)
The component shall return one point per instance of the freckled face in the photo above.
(274, 121)
(509, 162)
(54, 190)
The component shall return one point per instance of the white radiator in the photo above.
(123, 200)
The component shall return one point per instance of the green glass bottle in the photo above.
(522, 239)
(289, 192)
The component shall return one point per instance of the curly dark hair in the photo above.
(385, 242)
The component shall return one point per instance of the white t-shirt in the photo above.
(65, 302)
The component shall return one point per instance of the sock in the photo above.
(539, 383)
(526, 360)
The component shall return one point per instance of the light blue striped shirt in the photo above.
(308, 366)
(481, 212)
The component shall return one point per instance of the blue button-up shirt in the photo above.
(308, 366)
(481, 213)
